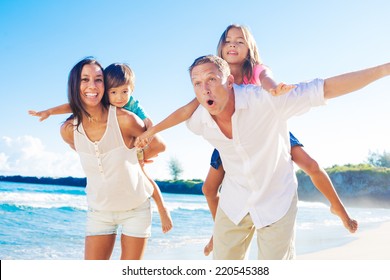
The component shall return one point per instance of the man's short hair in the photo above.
(221, 64)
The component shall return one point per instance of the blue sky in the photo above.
(40, 41)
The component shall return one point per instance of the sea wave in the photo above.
(43, 200)
(306, 204)
(173, 206)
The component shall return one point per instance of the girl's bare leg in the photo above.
(210, 190)
(322, 182)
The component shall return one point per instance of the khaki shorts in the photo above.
(135, 222)
(274, 242)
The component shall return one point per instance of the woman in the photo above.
(118, 190)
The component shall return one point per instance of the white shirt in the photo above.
(115, 180)
(259, 174)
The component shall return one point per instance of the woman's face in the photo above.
(91, 85)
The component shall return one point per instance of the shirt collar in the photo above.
(240, 95)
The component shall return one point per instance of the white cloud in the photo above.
(4, 162)
(27, 156)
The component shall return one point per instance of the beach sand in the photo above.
(372, 244)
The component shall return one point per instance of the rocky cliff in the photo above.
(356, 186)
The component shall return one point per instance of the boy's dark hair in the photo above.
(118, 74)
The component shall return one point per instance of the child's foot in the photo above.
(166, 220)
(349, 224)
(209, 247)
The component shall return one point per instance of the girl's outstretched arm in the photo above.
(180, 115)
(270, 85)
(58, 110)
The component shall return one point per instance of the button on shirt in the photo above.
(259, 175)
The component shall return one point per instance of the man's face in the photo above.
(210, 88)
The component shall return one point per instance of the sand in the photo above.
(373, 244)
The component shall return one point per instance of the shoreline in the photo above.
(371, 244)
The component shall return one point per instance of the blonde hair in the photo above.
(253, 57)
(221, 64)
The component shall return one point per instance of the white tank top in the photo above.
(115, 181)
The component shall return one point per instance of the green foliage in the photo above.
(379, 160)
(181, 186)
(362, 167)
(175, 168)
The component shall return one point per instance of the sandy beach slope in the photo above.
(373, 244)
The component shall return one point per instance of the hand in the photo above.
(281, 89)
(141, 143)
(43, 115)
(147, 161)
(143, 140)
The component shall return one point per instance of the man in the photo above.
(248, 126)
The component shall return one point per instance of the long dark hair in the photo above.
(74, 81)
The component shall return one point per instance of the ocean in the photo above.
(46, 222)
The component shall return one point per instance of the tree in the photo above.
(379, 160)
(175, 168)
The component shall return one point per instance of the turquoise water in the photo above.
(44, 222)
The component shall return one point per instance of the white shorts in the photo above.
(135, 222)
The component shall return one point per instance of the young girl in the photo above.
(119, 83)
(238, 47)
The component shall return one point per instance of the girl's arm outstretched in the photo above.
(270, 85)
(180, 115)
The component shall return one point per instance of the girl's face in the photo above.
(235, 49)
(91, 85)
(119, 96)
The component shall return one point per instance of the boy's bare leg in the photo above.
(165, 216)
(166, 220)
(210, 190)
(323, 183)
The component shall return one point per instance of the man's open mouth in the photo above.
(210, 102)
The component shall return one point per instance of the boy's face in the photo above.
(119, 96)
